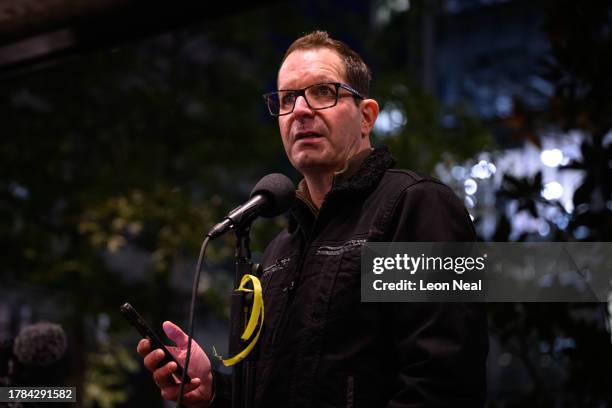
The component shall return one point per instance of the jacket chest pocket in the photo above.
(275, 280)
(343, 284)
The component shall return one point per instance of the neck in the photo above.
(318, 186)
(319, 183)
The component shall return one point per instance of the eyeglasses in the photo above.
(317, 96)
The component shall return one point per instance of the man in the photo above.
(320, 346)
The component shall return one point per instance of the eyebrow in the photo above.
(318, 81)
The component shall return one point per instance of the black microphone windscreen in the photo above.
(279, 190)
(40, 344)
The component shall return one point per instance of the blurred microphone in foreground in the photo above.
(36, 357)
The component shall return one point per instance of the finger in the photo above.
(152, 360)
(176, 352)
(175, 334)
(144, 347)
(192, 385)
(163, 376)
(171, 392)
(193, 396)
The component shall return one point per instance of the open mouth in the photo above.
(306, 135)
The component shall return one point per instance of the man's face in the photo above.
(319, 141)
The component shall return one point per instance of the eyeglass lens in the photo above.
(319, 96)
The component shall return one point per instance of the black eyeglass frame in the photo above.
(302, 93)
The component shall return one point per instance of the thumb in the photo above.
(175, 334)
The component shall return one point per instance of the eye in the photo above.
(323, 90)
(287, 98)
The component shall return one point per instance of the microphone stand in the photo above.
(243, 373)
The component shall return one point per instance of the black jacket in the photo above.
(322, 347)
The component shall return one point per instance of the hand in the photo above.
(198, 392)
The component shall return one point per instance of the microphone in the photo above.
(271, 196)
(39, 355)
(40, 344)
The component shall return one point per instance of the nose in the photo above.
(301, 107)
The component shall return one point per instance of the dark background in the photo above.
(128, 128)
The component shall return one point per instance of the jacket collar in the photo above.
(350, 169)
(351, 183)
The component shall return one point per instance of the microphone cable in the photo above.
(194, 291)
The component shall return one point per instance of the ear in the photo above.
(369, 113)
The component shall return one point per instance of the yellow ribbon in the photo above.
(257, 310)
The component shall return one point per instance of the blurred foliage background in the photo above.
(116, 161)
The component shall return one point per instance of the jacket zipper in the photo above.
(290, 289)
(272, 269)
(350, 392)
(281, 323)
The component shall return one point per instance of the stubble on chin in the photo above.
(313, 164)
(306, 161)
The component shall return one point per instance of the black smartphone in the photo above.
(143, 328)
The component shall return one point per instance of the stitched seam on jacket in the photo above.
(384, 220)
